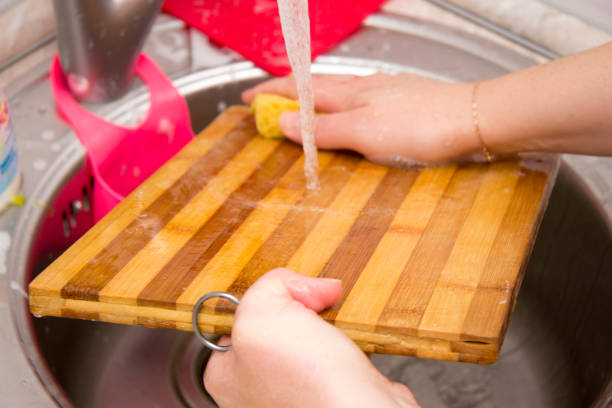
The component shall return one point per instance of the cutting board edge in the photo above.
(383, 343)
(545, 199)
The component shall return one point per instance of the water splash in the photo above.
(47, 135)
(15, 286)
(221, 106)
(5, 243)
(295, 25)
(39, 164)
(166, 127)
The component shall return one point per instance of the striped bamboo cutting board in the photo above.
(430, 260)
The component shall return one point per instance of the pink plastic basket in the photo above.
(252, 27)
(120, 157)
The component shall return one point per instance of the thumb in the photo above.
(314, 293)
(342, 130)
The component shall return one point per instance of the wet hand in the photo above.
(392, 119)
(284, 355)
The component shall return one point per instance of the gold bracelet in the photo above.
(485, 151)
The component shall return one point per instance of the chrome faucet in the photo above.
(99, 41)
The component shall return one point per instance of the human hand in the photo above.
(284, 355)
(391, 119)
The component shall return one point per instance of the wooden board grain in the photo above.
(431, 260)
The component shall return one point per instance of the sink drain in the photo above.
(188, 367)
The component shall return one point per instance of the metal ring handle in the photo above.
(194, 319)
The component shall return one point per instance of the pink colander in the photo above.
(121, 157)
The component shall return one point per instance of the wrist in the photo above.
(484, 150)
(361, 386)
(495, 133)
(500, 126)
(465, 134)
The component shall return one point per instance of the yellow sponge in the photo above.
(267, 109)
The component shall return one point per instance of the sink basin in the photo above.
(557, 350)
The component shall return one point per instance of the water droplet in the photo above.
(47, 134)
(221, 106)
(78, 84)
(15, 286)
(5, 243)
(39, 164)
(166, 127)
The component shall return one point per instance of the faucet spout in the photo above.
(99, 41)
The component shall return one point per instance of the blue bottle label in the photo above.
(8, 151)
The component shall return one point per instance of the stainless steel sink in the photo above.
(557, 351)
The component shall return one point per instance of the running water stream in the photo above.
(296, 31)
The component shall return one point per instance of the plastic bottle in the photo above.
(9, 166)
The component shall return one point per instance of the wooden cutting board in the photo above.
(431, 260)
